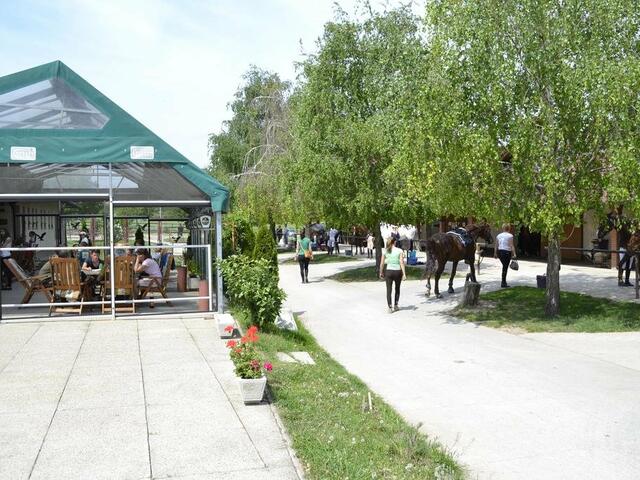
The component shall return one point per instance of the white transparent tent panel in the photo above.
(130, 181)
(49, 104)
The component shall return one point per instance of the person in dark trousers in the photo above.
(392, 270)
(304, 253)
(504, 249)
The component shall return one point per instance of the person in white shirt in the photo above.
(504, 249)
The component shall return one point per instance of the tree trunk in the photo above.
(379, 245)
(471, 294)
(552, 305)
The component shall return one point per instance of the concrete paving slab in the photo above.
(102, 387)
(183, 392)
(511, 406)
(285, 357)
(101, 443)
(195, 448)
(303, 357)
(20, 439)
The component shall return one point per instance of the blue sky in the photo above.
(172, 64)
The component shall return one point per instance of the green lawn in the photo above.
(324, 258)
(368, 274)
(523, 307)
(335, 436)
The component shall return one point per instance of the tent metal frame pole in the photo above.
(219, 297)
(112, 259)
(161, 202)
(210, 276)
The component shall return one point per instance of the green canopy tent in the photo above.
(62, 138)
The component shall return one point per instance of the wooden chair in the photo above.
(66, 285)
(31, 285)
(157, 285)
(123, 281)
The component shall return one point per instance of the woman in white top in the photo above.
(370, 245)
(393, 260)
(504, 249)
(146, 266)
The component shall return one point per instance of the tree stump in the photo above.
(470, 295)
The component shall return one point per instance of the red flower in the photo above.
(252, 330)
(228, 328)
(255, 364)
(231, 343)
(268, 367)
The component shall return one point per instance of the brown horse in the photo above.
(629, 240)
(444, 247)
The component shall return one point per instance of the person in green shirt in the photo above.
(303, 250)
(392, 270)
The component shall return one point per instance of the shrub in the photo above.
(251, 284)
(237, 236)
(193, 267)
(266, 247)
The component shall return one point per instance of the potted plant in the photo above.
(194, 274)
(249, 367)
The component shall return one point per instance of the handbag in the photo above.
(308, 254)
(514, 265)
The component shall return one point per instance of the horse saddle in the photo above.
(462, 235)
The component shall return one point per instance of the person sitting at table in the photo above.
(45, 271)
(146, 266)
(93, 262)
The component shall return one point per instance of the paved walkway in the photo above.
(534, 406)
(129, 400)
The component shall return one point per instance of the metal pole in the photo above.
(219, 297)
(111, 249)
(210, 277)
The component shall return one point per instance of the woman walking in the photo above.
(303, 249)
(504, 248)
(392, 270)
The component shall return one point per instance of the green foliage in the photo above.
(357, 92)
(526, 114)
(246, 154)
(252, 284)
(237, 235)
(193, 267)
(265, 247)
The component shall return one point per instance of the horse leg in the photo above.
(437, 279)
(428, 292)
(453, 274)
(473, 272)
(620, 284)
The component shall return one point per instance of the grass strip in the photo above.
(368, 274)
(523, 307)
(324, 258)
(325, 411)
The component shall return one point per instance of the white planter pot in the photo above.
(252, 389)
(225, 320)
(194, 283)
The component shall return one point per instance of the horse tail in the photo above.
(432, 261)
